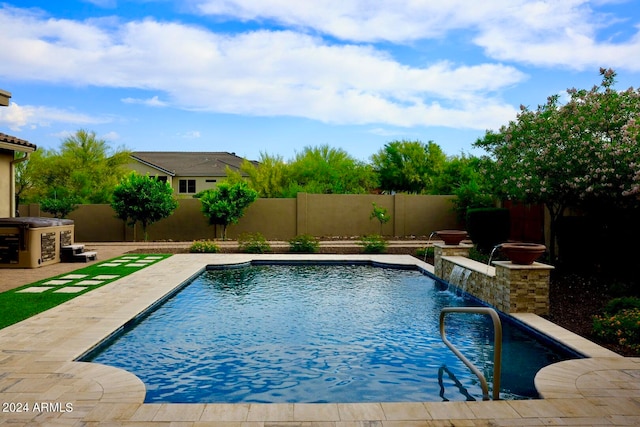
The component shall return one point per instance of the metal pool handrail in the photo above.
(497, 347)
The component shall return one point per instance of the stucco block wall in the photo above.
(277, 219)
(5, 183)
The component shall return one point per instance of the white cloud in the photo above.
(193, 134)
(269, 73)
(110, 136)
(109, 4)
(362, 20)
(17, 117)
(386, 131)
(544, 33)
(150, 102)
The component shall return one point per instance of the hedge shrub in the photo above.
(304, 243)
(488, 227)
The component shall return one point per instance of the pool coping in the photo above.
(37, 368)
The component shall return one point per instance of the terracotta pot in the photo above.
(452, 237)
(523, 253)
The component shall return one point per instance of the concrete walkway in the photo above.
(11, 278)
(38, 372)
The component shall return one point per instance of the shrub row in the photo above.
(256, 243)
(620, 323)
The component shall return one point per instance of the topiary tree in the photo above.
(143, 198)
(226, 203)
(58, 203)
(488, 227)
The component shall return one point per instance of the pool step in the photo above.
(86, 256)
(76, 252)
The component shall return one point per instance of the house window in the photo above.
(187, 186)
(161, 178)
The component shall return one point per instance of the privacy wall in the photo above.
(321, 215)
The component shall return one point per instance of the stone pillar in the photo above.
(440, 250)
(522, 288)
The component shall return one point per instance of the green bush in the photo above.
(204, 246)
(304, 243)
(470, 196)
(253, 243)
(622, 328)
(488, 227)
(373, 244)
(59, 208)
(617, 305)
(427, 252)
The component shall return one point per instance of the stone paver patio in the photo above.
(38, 374)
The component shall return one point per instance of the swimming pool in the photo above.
(318, 333)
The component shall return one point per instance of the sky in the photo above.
(257, 77)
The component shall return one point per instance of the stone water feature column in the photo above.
(440, 250)
(511, 288)
(522, 288)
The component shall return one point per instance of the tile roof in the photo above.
(195, 163)
(21, 144)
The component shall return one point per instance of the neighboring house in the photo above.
(8, 146)
(187, 172)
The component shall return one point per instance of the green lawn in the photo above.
(23, 302)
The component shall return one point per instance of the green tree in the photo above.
(270, 177)
(24, 176)
(462, 177)
(408, 166)
(93, 168)
(381, 214)
(59, 203)
(226, 203)
(144, 199)
(317, 170)
(326, 170)
(33, 177)
(580, 154)
(85, 166)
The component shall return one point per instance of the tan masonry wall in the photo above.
(6, 157)
(506, 286)
(320, 215)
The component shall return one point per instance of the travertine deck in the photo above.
(39, 377)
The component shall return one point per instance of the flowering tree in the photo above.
(579, 154)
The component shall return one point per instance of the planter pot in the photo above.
(452, 237)
(523, 253)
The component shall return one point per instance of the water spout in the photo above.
(426, 248)
(493, 251)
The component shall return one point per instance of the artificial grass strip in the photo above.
(16, 306)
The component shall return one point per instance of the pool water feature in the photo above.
(318, 333)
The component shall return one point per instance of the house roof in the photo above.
(9, 142)
(195, 163)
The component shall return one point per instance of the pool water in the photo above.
(318, 333)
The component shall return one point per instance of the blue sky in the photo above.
(274, 76)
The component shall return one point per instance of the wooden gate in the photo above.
(527, 221)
